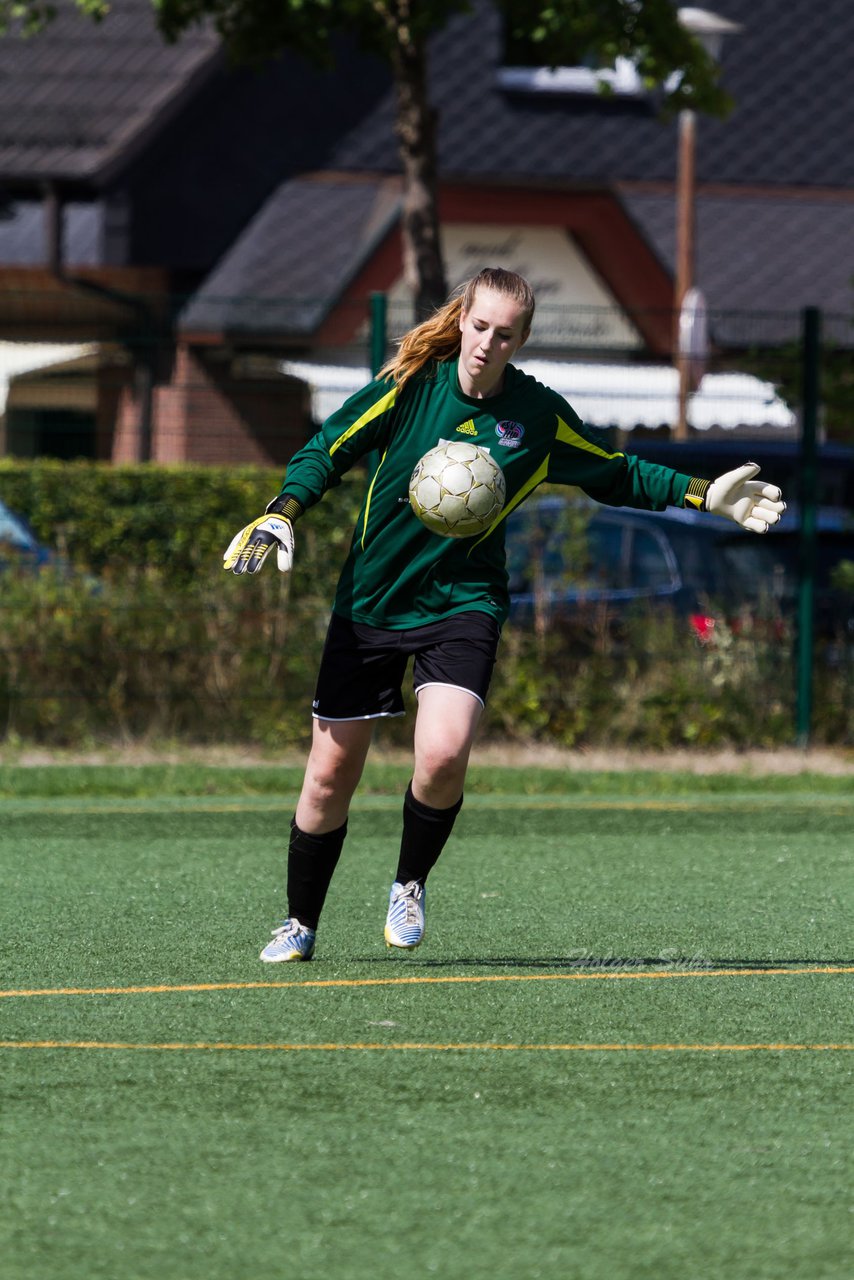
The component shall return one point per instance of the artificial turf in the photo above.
(557, 1084)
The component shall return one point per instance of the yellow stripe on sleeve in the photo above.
(567, 435)
(381, 406)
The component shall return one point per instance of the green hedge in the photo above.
(127, 519)
(139, 634)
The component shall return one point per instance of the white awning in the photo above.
(329, 384)
(628, 396)
(26, 357)
(625, 396)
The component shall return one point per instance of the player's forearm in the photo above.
(311, 471)
(624, 480)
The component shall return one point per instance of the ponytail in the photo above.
(438, 338)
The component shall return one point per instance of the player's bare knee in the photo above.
(438, 776)
(331, 780)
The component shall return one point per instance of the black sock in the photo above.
(425, 832)
(311, 862)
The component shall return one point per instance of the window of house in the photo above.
(525, 70)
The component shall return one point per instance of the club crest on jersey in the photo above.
(509, 434)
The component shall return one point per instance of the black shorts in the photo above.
(362, 668)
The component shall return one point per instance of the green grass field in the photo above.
(624, 1050)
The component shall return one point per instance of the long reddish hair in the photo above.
(438, 337)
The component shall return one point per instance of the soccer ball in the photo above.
(457, 489)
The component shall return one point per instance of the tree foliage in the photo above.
(569, 31)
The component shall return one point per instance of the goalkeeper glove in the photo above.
(248, 550)
(748, 502)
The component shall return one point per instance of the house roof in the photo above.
(174, 147)
(76, 97)
(761, 259)
(775, 205)
(295, 257)
(81, 96)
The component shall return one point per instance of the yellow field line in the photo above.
(841, 805)
(611, 975)
(419, 1046)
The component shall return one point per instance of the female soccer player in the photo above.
(405, 591)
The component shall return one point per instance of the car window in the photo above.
(698, 556)
(554, 557)
(547, 546)
(649, 566)
(607, 560)
(612, 554)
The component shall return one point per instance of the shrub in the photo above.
(650, 685)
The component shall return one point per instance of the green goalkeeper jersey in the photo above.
(397, 573)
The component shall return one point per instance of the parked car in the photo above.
(703, 567)
(18, 543)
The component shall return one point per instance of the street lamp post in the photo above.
(710, 29)
(685, 232)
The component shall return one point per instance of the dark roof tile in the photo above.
(762, 253)
(81, 92)
(788, 71)
(294, 258)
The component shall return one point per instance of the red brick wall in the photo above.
(207, 412)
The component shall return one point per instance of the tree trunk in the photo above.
(416, 131)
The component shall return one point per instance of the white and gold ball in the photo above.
(457, 489)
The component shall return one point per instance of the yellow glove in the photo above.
(248, 549)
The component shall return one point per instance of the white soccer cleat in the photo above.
(404, 925)
(291, 941)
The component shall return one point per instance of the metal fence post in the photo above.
(379, 325)
(810, 358)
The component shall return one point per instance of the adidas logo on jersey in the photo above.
(467, 428)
